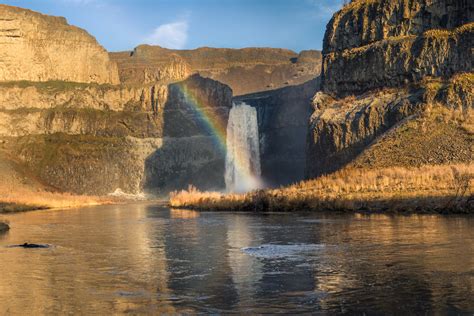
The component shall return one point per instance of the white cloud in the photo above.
(79, 2)
(171, 35)
(323, 9)
(94, 3)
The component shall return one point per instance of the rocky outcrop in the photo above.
(193, 152)
(385, 65)
(4, 228)
(79, 109)
(245, 70)
(397, 61)
(38, 47)
(363, 22)
(81, 138)
(283, 116)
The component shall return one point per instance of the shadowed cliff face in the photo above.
(245, 70)
(38, 47)
(283, 117)
(193, 152)
(385, 65)
(94, 139)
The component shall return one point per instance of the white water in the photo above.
(242, 166)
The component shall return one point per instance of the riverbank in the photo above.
(21, 191)
(428, 189)
(24, 200)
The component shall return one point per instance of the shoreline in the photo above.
(17, 208)
(430, 189)
(397, 207)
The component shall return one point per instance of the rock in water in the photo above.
(4, 228)
(30, 246)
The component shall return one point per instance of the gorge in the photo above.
(151, 112)
(166, 180)
(365, 101)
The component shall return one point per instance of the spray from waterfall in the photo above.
(242, 168)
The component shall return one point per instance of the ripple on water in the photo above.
(273, 251)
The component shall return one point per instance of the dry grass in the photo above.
(446, 188)
(21, 199)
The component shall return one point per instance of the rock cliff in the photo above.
(374, 44)
(193, 153)
(245, 70)
(80, 137)
(387, 67)
(38, 47)
(67, 121)
(283, 116)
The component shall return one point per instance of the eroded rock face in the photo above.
(385, 64)
(245, 70)
(379, 43)
(38, 47)
(341, 129)
(363, 22)
(283, 117)
(397, 61)
(95, 139)
(194, 125)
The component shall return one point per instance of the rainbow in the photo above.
(213, 122)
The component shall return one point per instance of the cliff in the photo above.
(38, 47)
(245, 70)
(283, 116)
(80, 137)
(195, 116)
(67, 122)
(395, 74)
(397, 61)
(374, 44)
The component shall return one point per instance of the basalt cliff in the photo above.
(67, 122)
(37, 47)
(75, 118)
(396, 89)
(397, 86)
(246, 70)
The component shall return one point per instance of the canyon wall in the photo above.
(37, 47)
(283, 117)
(95, 139)
(245, 70)
(193, 151)
(68, 123)
(391, 68)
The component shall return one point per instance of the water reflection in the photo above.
(149, 259)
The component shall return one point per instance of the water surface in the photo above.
(150, 259)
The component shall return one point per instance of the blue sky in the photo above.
(182, 24)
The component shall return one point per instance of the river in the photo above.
(149, 259)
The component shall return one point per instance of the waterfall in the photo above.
(242, 166)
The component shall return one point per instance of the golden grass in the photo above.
(22, 199)
(445, 188)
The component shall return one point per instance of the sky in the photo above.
(121, 25)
